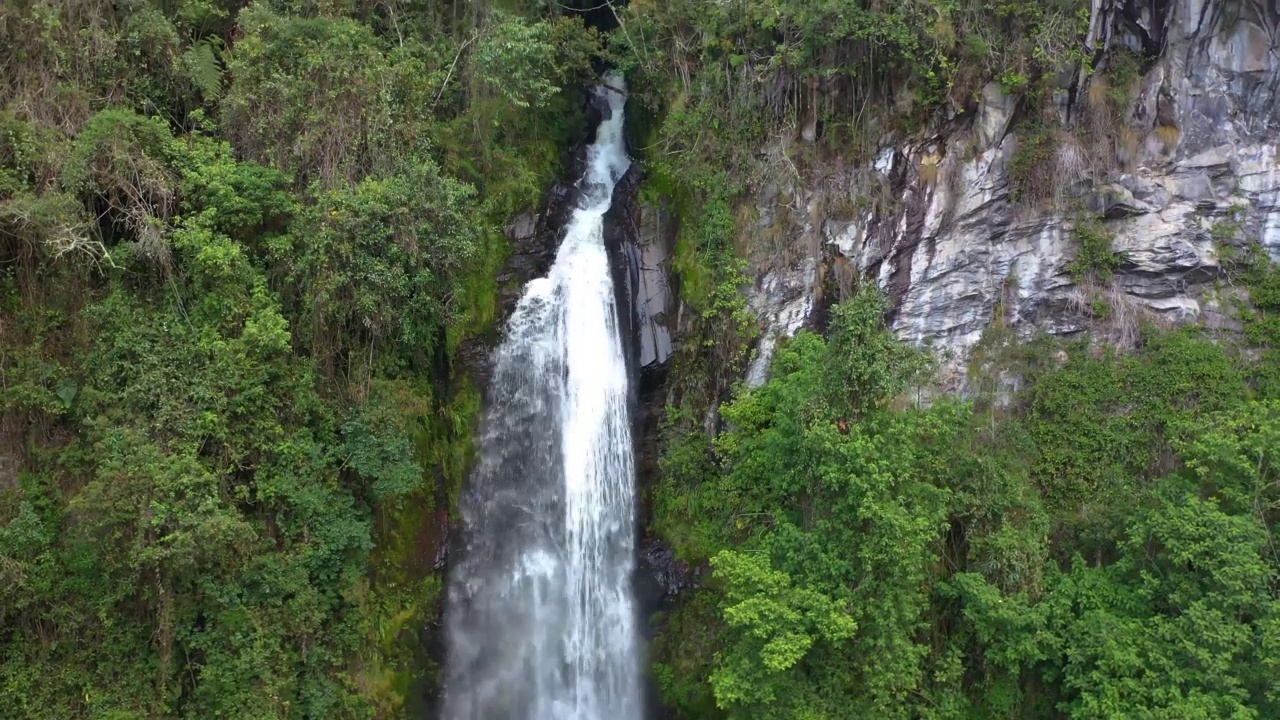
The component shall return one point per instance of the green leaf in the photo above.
(67, 391)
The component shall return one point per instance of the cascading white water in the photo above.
(541, 624)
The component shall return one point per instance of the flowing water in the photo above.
(541, 624)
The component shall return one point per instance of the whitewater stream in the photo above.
(541, 623)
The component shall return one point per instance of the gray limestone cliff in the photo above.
(942, 222)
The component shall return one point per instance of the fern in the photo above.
(203, 67)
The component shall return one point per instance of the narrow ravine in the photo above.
(541, 619)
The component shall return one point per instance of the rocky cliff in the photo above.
(1169, 148)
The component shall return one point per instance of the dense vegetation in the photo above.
(1102, 545)
(242, 246)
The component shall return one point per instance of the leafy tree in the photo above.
(776, 625)
(384, 261)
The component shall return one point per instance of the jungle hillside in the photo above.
(250, 250)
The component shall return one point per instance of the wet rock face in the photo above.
(641, 237)
(654, 297)
(662, 575)
(532, 250)
(943, 235)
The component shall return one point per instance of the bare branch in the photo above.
(452, 67)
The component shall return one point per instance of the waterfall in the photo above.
(540, 618)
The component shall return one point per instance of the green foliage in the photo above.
(1119, 83)
(1032, 168)
(1262, 317)
(123, 161)
(310, 94)
(206, 503)
(727, 78)
(1100, 546)
(775, 625)
(712, 276)
(239, 250)
(383, 261)
(866, 366)
(1096, 258)
(1102, 425)
(203, 67)
(684, 654)
(834, 518)
(1176, 626)
(377, 442)
(519, 60)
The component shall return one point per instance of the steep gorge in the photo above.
(253, 274)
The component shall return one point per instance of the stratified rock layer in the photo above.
(935, 223)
